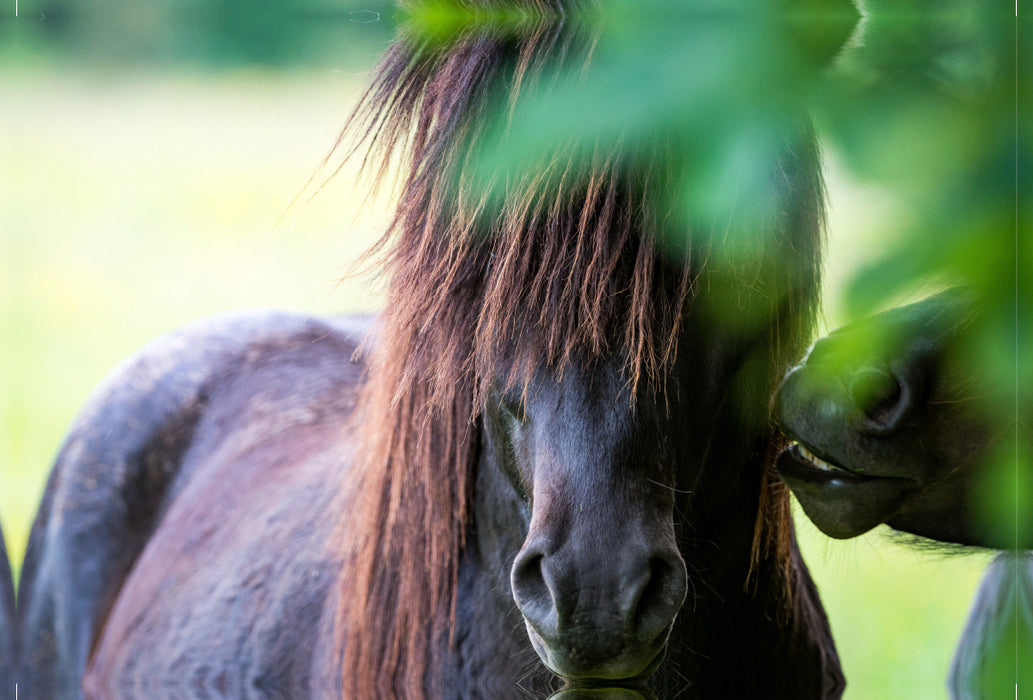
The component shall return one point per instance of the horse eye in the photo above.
(511, 416)
(513, 409)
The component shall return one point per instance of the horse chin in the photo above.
(585, 670)
(840, 502)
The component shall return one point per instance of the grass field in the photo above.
(133, 204)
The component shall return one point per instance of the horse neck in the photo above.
(748, 630)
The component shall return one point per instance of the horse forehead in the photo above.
(594, 414)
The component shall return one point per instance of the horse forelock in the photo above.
(561, 264)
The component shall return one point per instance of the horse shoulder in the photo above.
(122, 466)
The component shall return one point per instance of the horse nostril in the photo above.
(881, 397)
(661, 596)
(530, 589)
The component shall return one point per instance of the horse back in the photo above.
(232, 382)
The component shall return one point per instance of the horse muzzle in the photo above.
(603, 617)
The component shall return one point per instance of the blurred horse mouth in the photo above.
(798, 461)
(841, 502)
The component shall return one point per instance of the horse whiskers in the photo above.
(532, 673)
(693, 595)
(948, 402)
(693, 574)
(669, 488)
(673, 680)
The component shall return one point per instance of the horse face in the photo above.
(598, 578)
(885, 430)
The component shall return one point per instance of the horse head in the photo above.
(598, 577)
(561, 418)
(891, 426)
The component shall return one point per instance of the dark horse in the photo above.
(893, 424)
(892, 429)
(552, 463)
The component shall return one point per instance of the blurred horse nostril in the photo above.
(530, 589)
(880, 396)
(661, 597)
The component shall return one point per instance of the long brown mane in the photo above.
(538, 268)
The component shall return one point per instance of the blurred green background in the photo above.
(155, 168)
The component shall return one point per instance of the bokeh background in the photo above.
(163, 161)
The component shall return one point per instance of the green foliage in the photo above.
(440, 21)
(919, 96)
(719, 82)
(213, 33)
